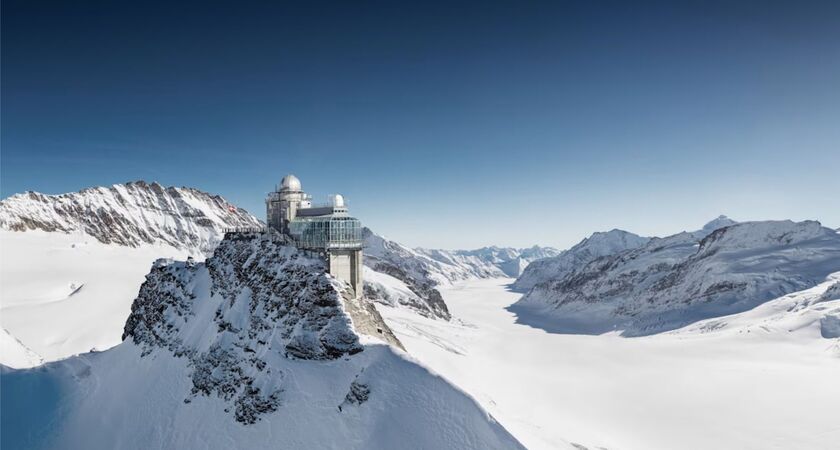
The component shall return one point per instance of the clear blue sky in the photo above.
(444, 125)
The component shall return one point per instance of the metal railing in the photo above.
(246, 230)
(262, 232)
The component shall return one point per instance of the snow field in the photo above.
(686, 389)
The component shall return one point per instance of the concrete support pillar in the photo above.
(346, 265)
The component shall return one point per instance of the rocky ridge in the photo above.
(130, 214)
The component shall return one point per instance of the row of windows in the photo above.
(331, 232)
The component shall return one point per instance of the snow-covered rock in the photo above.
(832, 293)
(257, 347)
(130, 214)
(595, 246)
(406, 270)
(671, 282)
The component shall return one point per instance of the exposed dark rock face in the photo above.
(359, 393)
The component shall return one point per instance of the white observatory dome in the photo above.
(338, 201)
(290, 183)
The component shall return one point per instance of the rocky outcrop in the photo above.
(264, 297)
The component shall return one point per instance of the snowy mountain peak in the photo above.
(719, 222)
(599, 244)
(130, 214)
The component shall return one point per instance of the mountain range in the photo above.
(640, 286)
(135, 295)
(131, 214)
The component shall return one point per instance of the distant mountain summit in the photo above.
(496, 261)
(595, 246)
(719, 222)
(130, 214)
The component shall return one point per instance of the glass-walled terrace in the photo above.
(326, 232)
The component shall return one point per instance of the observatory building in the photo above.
(326, 230)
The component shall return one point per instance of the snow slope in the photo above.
(64, 294)
(255, 348)
(674, 281)
(815, 311)
(130, 214)
(15, 354)
(765, 378)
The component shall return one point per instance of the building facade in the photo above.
(326, 230)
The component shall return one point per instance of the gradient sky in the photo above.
(444, 125)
